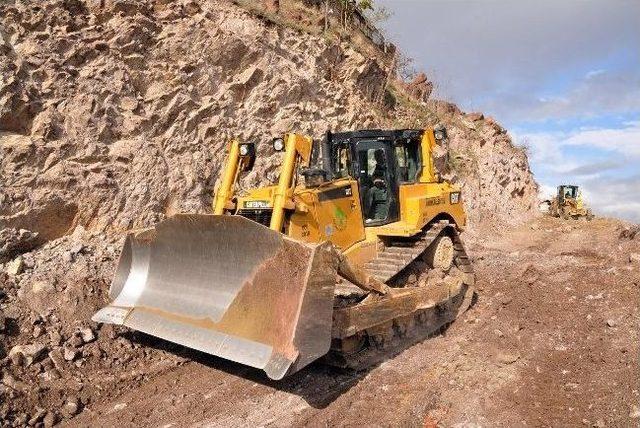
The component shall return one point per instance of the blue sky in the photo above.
(563, 76)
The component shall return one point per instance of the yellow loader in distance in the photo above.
(354, 250)
(568, 204)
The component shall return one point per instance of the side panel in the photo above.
(334, 214)
(421, 203)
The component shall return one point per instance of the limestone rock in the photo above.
(29, 353)
(71, 407)
(87, 335)
(507, 357)
(15, 266)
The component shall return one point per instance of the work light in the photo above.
(278, 144)
(440, 134)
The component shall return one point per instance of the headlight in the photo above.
(439, 132)
(278, 144)
(244, 149)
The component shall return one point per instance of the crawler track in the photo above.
(368, 328)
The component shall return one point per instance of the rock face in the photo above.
(495, 175)
(114, 114)
(420, 87)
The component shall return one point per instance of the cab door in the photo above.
(376, 164)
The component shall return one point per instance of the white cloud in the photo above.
(597, 93)
(541, 61)
(547, 147)
(625, 141)
(546, 191)
(595, 168)
(594, 73)
(525, 59)
(615, 198)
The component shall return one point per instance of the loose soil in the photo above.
(551, 341)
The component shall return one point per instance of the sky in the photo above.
(562, 76)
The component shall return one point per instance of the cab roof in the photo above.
(353, 136)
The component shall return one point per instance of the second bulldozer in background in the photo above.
(568, 204)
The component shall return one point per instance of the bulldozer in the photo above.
(568, 204)
(356, 248)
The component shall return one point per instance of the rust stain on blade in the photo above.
(266, 308)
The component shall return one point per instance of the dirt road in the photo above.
(551, 341)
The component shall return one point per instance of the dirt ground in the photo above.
(551, 341)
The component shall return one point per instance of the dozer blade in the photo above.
(227, 286)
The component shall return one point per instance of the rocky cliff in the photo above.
(115, 114)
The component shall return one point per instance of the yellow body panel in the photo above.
(332, 211)
(428, 174)
(332, 214)
(421, 203)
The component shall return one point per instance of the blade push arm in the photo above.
(241, 158)
(296, 147)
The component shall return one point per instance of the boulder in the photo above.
(28, 353)
(70, 354)
(272, 6)
(71, 407)
(87, 335)
(49, 420)
(14, 383)
(475, 116)
(57, 358)
(15, 266)
(506, 357)
(420, 87)
(16, 241)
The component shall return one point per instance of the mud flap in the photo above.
(227, 286)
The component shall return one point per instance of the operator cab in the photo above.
(567, 192)
(380, 161)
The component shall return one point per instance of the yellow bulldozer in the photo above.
(354, 250)
(568, 204)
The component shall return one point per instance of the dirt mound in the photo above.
(629, 232)
(53, 355)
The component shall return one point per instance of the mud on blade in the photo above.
(227, 286)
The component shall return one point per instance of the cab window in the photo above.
(408, 162)
(342, 162)
(374, 183)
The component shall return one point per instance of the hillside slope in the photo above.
(115, 114)
(113, 117)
